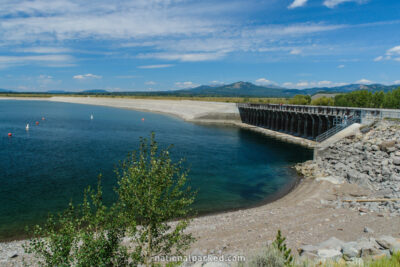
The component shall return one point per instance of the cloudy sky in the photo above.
(170, 44)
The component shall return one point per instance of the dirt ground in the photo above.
(304, 216)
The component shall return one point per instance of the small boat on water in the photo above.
(91, 116)
(27, 127)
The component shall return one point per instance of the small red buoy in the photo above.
(9, 134)
(142, 119)
(37, 123)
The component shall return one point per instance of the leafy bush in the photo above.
(366, 99)
(152, 190)
(270, 257)
(279, 243)
(323, 101)
(300, 100)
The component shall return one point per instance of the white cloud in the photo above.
(86, 76)
(311, 84)
(64, 19)
(150, 83)
(180, 30)
(159, 66)
(263, 81)
(334, 3)
(325, 83)
(186, 84)
(341, 66)
(217, 83)
(295, 51)
(393, 51)
(297, 3)
(396, 82)
(186, 57)
(391, 54)
(288, 84)
(364, 81)
(302, 84)
(45, 50)
(46, 60)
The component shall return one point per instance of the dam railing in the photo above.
(337, 128)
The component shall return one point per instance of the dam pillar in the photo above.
(292, 122)
(320, 124)
(278, 120)
(257, 117)
(262, 118)
(315, 121)
(305, 118)
(273, 121)
(300, 124)
(287, 121)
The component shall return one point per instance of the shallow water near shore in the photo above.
(44, 168)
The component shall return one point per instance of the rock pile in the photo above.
(334, 249)
(370, 159)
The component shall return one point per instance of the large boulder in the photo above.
(350, 250)
(332, 243)
(329, 254)
(396, 160)
(387, 145)
(389, 242)
(369, 247)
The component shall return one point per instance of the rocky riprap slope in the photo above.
(337, 250)
(370, 159)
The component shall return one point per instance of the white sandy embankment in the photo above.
(188, 110)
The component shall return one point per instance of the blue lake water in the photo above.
(44, 168)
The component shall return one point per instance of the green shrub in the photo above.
(323, 101)
(300, 100)
(393, 261)
(152, 190)
(270, 257)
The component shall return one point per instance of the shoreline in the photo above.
(201, 112)
(197, 118)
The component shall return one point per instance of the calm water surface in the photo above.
(44, 168)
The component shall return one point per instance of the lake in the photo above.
(44, 168)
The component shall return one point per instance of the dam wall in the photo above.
(310, 122)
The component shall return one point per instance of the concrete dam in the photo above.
(311, 122)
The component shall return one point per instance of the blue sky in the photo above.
(148, 45)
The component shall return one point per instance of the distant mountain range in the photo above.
(241, 89)
(246, 89)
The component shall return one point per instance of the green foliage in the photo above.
(59, 239)
(279, 243)
(393, 261)
(366, 99)
(269, 257)
(89, 235)
(101, 233)
(323, 101)
(300, 100)
(153, 191)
